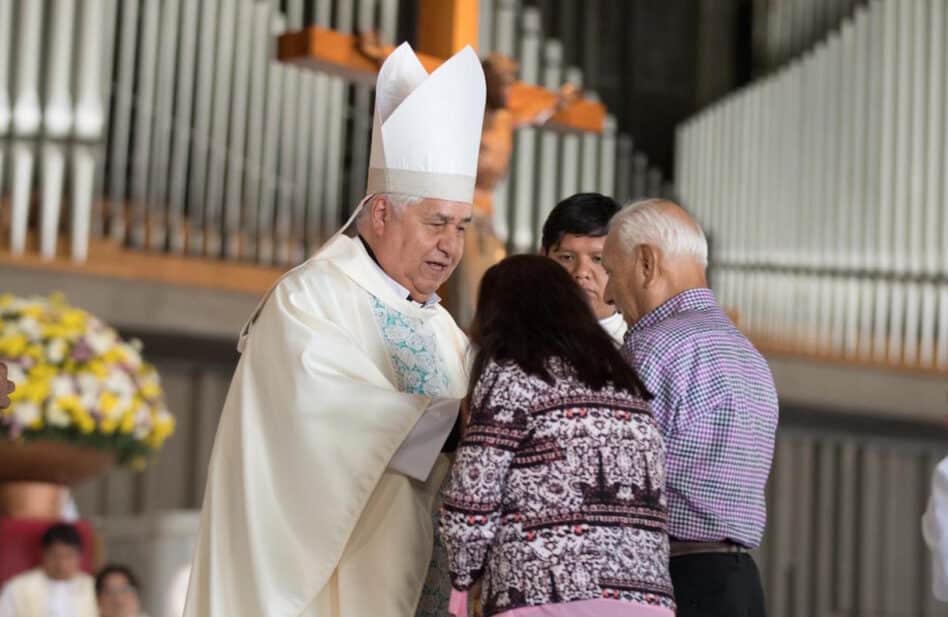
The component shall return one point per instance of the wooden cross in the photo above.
(444, 28)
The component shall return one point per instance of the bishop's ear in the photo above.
(379, 213)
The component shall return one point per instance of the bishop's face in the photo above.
(422, 245)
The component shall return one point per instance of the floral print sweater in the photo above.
(557, 494)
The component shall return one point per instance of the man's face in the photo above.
(626, 284)
(421, 245)
(6, 387)
(118, 598)
(581, 256)
(61, 561)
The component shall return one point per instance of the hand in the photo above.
(568, 93)
(369, 44)
(6, 387)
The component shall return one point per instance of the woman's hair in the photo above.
(530, 310)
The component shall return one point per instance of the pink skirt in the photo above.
(599, 607)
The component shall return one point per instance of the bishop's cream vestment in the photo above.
(302, 514)
(327, 459)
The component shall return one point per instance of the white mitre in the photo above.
(426, 133)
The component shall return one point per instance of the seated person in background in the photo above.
(58, 588)
(117, 591)
(573, 236)
(557, 497)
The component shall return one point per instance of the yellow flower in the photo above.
(13, 345)
(74, 320)
(72, 405)
(150, 390)
(108, 405)
(98, 368)
(114, 355)
(127, 424)
(35, 310)
(35, 390)
(163, 427)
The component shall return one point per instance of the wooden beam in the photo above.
(337, 53)
(446, 26)
(333, 52)
(108, 259)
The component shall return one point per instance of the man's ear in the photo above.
(647, 263)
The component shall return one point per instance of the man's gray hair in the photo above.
(398, 201)
(649, 222)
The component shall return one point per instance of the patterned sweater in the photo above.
(557, 494)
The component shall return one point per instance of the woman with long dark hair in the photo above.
(556, 499)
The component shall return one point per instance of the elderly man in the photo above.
(715, 403)
(327, 460)
(6, 387)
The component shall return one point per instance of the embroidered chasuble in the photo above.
(304, 514)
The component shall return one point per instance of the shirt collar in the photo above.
(688, 300)
(400, 289)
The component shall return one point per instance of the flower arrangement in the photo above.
(77, 381)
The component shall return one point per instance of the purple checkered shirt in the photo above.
(716, 406)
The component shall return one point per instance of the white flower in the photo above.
(142, 423)
(26, 413)
(89, 390)
(89, 398)
(16, 374)
(56, 351)
(121, 384)
(31, 328)
(132, 356)
(61, 386)
(88, 383)
(100, 341)
(56, 415)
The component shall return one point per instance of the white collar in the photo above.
(611, 319)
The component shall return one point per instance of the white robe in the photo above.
(935, 530)
(303, 515)
(33, 594)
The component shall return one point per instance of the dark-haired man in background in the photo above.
(58, 588)
(573, 236)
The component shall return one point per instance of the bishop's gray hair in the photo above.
(398, 201)
(648, 222)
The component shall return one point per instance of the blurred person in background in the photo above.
(58, 588)
(117, 592)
